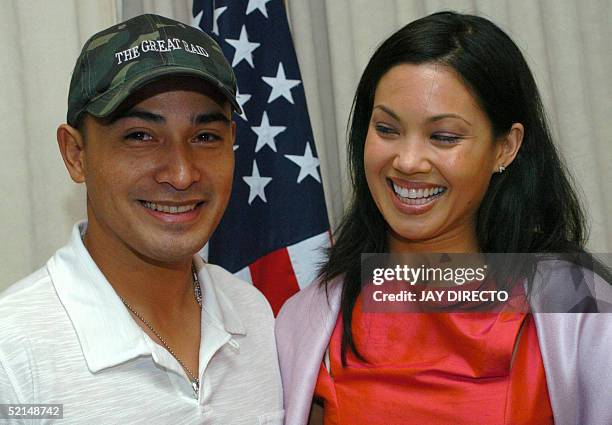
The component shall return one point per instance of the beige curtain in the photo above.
(566, 42)
(175, 9)
(40, 42)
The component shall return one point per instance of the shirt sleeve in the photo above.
(8, 395)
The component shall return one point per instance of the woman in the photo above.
(449, 152)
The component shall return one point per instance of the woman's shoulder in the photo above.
(313, 305)
(561, 285)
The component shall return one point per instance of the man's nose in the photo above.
(179, 166)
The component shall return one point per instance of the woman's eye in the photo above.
(385, 129)
(139, 136)
(445, 138)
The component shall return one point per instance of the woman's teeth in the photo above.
(406, 193)
(171, 209)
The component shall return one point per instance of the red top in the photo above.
(444, 368)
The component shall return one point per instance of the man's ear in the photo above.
(72, 147)
(509, 146)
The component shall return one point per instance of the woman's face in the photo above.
(429, 156)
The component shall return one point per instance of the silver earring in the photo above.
(501, 169)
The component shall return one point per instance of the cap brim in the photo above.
(107, 103)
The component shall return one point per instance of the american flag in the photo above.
(275, 226)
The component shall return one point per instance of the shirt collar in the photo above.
(216, 304)
(106, 331)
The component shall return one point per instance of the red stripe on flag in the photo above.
(273, 275)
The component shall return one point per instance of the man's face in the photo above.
(159, 175)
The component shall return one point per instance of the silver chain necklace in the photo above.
(197, 291)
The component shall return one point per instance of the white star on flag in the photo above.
(266, 133)
(259, 5)
(281, 86)
(256, 184)
(216, 13)
(244, 48)
(195, 22)
(308, 164)
(242, 98)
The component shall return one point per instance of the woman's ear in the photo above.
(509, 146)
(72, 147)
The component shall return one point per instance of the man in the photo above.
(126, 324)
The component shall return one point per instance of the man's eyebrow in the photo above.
(156, 118)
(141, 114)
(209, 117)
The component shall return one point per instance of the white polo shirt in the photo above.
(66, 337)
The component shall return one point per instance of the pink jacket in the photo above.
(576, 350)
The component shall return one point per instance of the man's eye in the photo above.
(445, 138)
(207, 138)
(140, 136)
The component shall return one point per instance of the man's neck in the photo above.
(157, 291)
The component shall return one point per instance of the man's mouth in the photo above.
(417, 195)
(170, 209)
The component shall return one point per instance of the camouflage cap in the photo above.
(120, 60)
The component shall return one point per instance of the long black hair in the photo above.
(532, 207)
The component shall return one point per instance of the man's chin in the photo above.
(169, 252)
